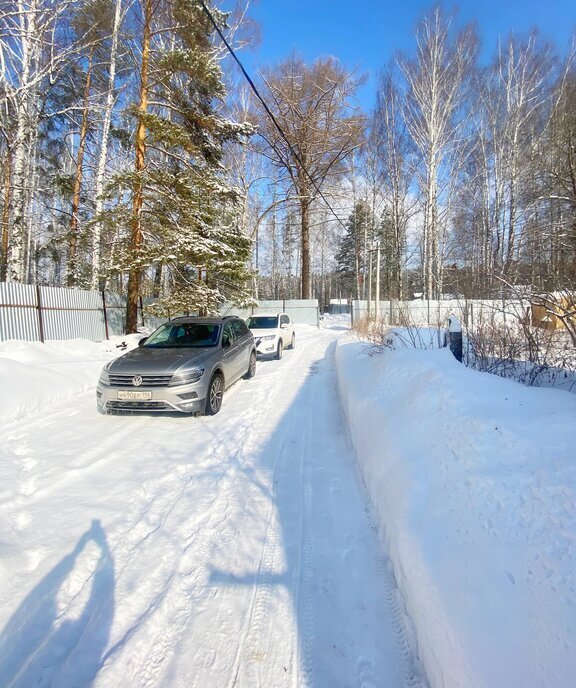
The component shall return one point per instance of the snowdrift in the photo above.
(474, 483)
(33, 374)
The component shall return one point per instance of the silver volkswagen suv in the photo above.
(185, 365)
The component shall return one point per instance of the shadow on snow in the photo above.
(53, 642)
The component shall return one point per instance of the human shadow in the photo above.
(53, 642)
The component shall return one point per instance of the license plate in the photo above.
(128, 395)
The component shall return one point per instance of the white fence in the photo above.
(436, 313)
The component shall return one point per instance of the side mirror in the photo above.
(283, 326)
(141, 341)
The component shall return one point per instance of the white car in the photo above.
(273, 332)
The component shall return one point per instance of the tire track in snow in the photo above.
(179, 540)
(190, 572)
(249, 654)
(75, 471)
(305, 597)
(200, 536)
(412, 673)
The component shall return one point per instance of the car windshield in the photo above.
(262, 322)
(184, 335)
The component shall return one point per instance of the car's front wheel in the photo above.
(251, 367)
(279, 350)
(214, 396)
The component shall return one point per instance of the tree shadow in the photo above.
(53, 641)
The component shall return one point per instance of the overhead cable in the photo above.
(268, 111)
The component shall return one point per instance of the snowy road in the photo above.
(237, 550)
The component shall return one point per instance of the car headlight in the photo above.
(268, 337)
(104, 376)
(186, 377)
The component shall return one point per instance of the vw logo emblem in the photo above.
(137, 380)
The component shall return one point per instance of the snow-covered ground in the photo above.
(474, 482)
(236, 550)
(243, 550)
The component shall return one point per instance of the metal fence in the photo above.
(436, 313)
(301, 311)
(35, 313)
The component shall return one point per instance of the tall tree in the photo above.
(435, 94)
(182, 213)
(351, 256)
(398, 165)
(34, 48)
(112, 61)
(311, 105)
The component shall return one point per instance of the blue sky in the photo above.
(366, 33)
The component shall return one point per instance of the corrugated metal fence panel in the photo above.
(305, 311)
(18, 312)
(229, 309)
(115, 313)
(302, 311)
(72, 314)
(436, 313)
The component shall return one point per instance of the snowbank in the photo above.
(474, 483)
(35, 374)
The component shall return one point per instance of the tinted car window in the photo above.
(228, 333)
(192, 335)
(262, 322)
(240, 329)
(284, 320)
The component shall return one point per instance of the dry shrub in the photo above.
(406, 335)
(521, 351)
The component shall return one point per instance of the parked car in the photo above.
(185, 365)
(273, 332)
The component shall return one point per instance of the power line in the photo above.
(268, 111)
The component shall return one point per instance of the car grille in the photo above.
(147, 380)
(139, 406)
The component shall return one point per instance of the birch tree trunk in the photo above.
(103, 153)
(16, 252)
(6, 213)
(435, 93)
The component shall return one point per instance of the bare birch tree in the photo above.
(436, 81)
(103, 148)
(30, 56)
(397, 171)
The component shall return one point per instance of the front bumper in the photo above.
(182, 399)
(266, 347)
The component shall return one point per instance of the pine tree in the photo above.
(180, 211)
(350, 259)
